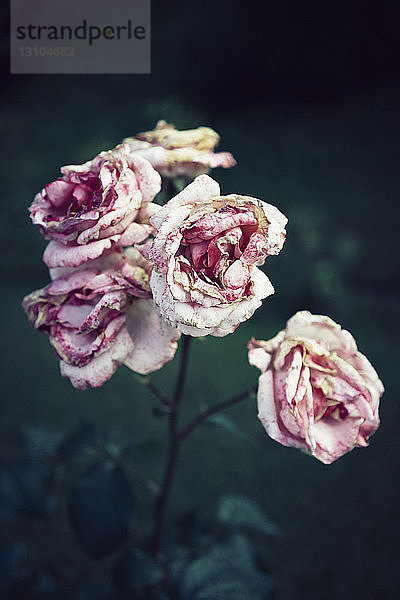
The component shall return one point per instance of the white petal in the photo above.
(154, 341)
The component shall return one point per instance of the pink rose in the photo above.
(316, 391)
(101, 316)
(175, 153)
(206, 251)
(95, 207)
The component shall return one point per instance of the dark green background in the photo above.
(306, 97)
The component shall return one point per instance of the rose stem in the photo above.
(173, 452)
(190, 427)
(175, 439)
(165, 398)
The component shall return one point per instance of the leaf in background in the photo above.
(101, 507)
(178, 561)
(97, 587)
(239, 511)
(156, 595)
(118, 442)
(39, 442)
(80, 444)
(227, 571)
(8, 494)
(32, 484)
(136, 571)
(191, 528)
(43, 586)
(12, 571)
(226, 423)
(26, 488)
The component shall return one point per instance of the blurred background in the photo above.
(306, 97)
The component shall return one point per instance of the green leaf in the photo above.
(191, 528)
(80, 444)
(227, 572)
(156, 595)
(118, 443)
(239, 511)
(136, 571)
(178, 561)
(226, 423)
(38, 441)
(101, 508)
(97, 587)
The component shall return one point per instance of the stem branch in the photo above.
(165, 398)
(175, 438)
(190, 427)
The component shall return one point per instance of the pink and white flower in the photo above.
(95, 207)
(175, 153)
(316, 391)
(206, 250)
(100, 316)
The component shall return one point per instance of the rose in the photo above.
(95, 207)
(316, 391)
(206, 251)
(175, 153)
(100, 316)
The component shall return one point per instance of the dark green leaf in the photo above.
(8, 494)
(26, 487)
(226, 423)
(43, 586)
(178, 561)
(38, 441)
(240, 511)
(227, 571)
(81, 443)
(101, 507)
(156, 595)
(192, 528)
(137, 570)
(32, 487)
(97, 587)
(12, 570)
(118, 443)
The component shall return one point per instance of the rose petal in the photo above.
(154, 342)
(268, 414)
(148, 179)
(57, 254)
(202, 188)
(101, 367)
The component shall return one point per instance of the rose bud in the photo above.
(101, 316)
(100, 205)
(206, 250)
(175, 153)
(316, 391)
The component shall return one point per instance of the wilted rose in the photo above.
(316, 391)
(206, 251)
(95, 207)
(175, 153)
(101, 316)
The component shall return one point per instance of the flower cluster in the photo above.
(128, 276)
